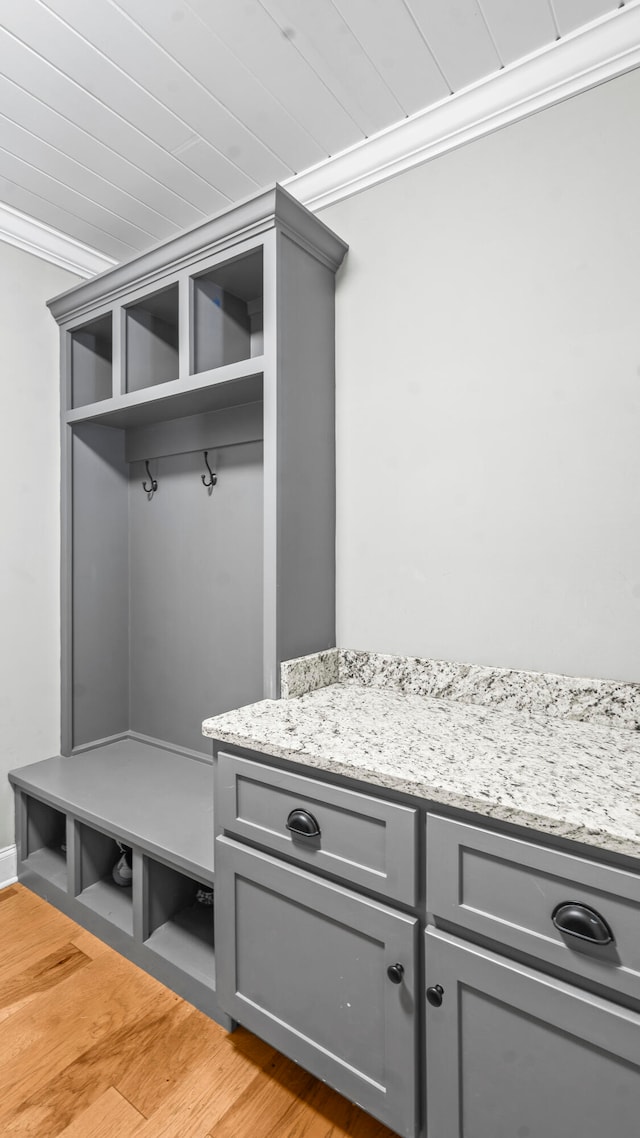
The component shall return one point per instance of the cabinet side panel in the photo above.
(306, 452)
(100, 584)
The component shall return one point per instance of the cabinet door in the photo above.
(515, 1054)
(303, 963)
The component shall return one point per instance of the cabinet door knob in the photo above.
(304, 823)
(574, 919)
(395, 972)
(435, 994)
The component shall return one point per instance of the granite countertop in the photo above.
(557, 775)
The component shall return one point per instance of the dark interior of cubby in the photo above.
(152, 340)
(91, 362)
(227, 313)
(180, 928)
(45, 841)
(98, 891)
(168, 587)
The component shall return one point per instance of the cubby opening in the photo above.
(98, 891)
(180, 928)
(46, 837)
(92, 362)
(152, 340)
(227, 313)
(167, 610)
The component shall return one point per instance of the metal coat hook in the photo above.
(213, 477)
(154, 484)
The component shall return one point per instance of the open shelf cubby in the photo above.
(180, 929)
(45, 842)
(152, 340)
(98, 891)
(92, 362)
(227, 313)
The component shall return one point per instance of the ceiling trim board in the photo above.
(50, 244)
(602, 50)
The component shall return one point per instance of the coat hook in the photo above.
(154, 485)
(214, 477)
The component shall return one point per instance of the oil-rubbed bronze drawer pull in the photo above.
(574, 919)
(303, 823)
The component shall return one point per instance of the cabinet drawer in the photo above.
(512, 1052)
(302, 962)
(363, 840)
(508, 889)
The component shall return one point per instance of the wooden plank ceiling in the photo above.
(123, 121)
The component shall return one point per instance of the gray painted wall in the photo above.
(488, 389)
(30, 511)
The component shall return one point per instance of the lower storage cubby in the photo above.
(98, 891)
(45, 838)
(179, 927)
(44, 841)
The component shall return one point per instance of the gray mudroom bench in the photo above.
(198, 552)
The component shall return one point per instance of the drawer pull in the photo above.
(303, 823)
(580, 921)
(395, 972)
(435, 994)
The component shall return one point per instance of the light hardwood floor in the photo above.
(92, 1047)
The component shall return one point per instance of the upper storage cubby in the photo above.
(227, 313)
(92, 362)
(152, 340)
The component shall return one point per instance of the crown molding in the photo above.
(50, 244)
(591, 55)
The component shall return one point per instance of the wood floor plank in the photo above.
(5, 894)
(110, 1116)
(212, 1087)
(73, 1090)
(44, 974)
(150, 1076)
(266, 1101)
(41, 1041)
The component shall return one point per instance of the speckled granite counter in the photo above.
(558, 776)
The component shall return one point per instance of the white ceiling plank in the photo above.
(256, 39)
(21, 197)
(178, 188)
(316, 29)
(457, 34)
(572, 14)
(35, 25)
(388, 36)
(196, 47)
(44, 184)
(519, 29)
(240, 160)
(38, 152)
(31, 114)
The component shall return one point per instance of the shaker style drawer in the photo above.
(561, 909)
(362, 840)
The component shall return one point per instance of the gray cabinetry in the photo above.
(512, 1053)
(303, 963)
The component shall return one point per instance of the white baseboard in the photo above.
(8, 866)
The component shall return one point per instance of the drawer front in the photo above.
(512, 1052)
(365, 841)
(302, 962)
(509, 889)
